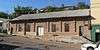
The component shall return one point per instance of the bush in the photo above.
(4, 31)
(1, 31)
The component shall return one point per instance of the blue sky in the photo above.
(8, 5)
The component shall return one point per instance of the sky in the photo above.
(8, 5)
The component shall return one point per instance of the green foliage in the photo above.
(53, 9)
(82, 5)
(28, 10)
(4, 15)
(3, 31)
(19, 10)
(23, 10)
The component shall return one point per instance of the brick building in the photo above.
(68, 23)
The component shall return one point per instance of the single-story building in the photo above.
(68, 23)
(3, 24)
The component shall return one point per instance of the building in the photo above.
(95, 12)
(3, 24)
(67, 23)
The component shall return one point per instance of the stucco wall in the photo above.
(95, 11)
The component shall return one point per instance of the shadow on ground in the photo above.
(28, 48)
(7, 47)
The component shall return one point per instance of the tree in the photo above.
(52, 9)
(82, 5)
(22, 10)
(4, 15)
(35, 10)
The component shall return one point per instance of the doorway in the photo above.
(40, 31)
(97, 36)
(81, 30)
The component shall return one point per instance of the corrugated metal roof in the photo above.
(4, 20)
(67, 13)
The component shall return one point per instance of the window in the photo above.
(86, 23)
(53, 27)
(19, 28)
(66, 27)
(27, 27)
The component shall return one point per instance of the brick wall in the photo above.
(47, 27)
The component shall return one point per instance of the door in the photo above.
(40, 31)
(97, 33)
(97, 36)
(81, 30)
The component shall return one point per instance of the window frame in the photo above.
(19, 28)
(66, 27)
(28, 27)
(53, 29)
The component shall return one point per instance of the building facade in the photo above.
(68, 23)
(95, 12)
(3, 24)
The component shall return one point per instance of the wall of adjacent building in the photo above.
(95, 11)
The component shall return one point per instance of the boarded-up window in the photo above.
(66, 27)
(53, 27)
(28, 27)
